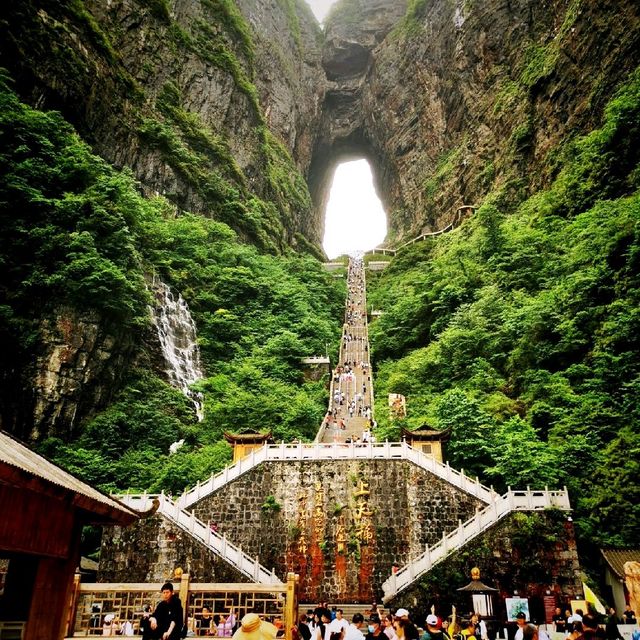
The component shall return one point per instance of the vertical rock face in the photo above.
(213, 104)
(462, 98)
(77, 370)
(206, 101)
(353, 34)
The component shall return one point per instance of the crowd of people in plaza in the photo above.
(323, 623)
(167, 622)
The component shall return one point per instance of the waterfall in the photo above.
(177, 335)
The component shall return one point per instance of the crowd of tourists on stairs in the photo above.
(350, 415)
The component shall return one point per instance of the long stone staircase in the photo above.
(351, 405)
(467, 531)
(331, 444)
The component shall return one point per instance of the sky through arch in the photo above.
(320, 8)
(355, 219)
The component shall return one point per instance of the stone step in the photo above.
(353, 428)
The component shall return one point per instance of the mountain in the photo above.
(192, 142)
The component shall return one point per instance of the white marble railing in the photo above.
(187, 521)
(485, 518)
(336, 451)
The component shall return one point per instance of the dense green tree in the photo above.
(78, 233)
(520, 331)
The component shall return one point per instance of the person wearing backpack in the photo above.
(433, 632)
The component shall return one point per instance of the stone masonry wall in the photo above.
(339, 524)
(152, 549)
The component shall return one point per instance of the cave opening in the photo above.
(355, 219)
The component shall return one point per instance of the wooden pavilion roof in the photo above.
(248, 436)
(616, 558)
(426, 433)
(22, 468)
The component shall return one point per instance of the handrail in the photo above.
(187, 521)
(423, 236)
(332, 451)
(366, 335)
(511, 501)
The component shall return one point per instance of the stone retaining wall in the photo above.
(341, 525)
(150, 551)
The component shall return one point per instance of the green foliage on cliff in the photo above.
(202, 157)
(289, 7)
(521, 551)
(519, 332)
(287, 184)
(77, 234)
(200, 138)
(85, 70)
(160, 9)
(226, 13)
(67, 220)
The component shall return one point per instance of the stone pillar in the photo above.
(291, 605)
(184, 594)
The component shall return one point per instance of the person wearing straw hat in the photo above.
(253, 628)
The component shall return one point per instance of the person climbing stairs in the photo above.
(350, 415)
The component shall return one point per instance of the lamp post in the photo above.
(481, 601)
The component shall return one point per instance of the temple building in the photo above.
(43, 511)
(245, 442)
(427, 440)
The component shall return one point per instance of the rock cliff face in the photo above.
(206, 101)
(463, 98)
(241, 111)
(448, 100)
(212, 103)
(77, 367)
(353, 36)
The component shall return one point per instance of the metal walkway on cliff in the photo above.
(461, 211)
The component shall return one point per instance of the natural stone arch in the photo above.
(352, 33)
(323, 170)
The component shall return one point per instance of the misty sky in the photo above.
(320, 7)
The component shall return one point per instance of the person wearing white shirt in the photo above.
(338, 625)
(353, 630)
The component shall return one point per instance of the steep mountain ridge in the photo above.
(215, 102)
(206, 102)
(240, 111)
(462, 99)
